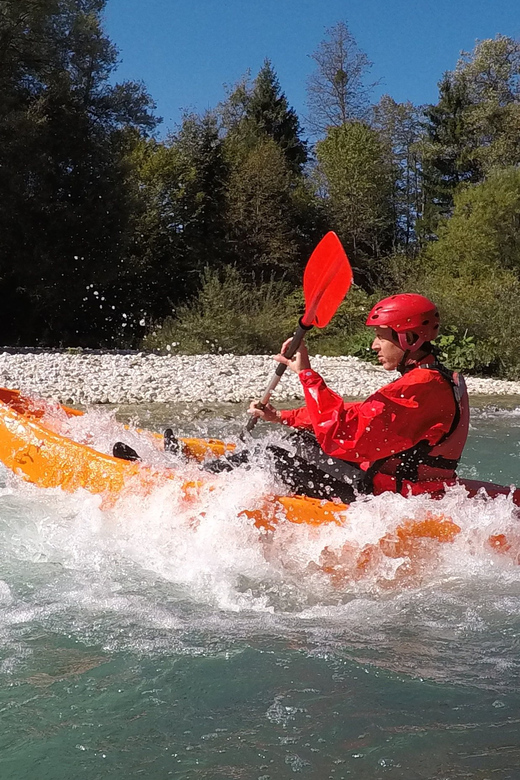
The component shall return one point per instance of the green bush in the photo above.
(230, 314)
(457, 350)
(482, 322)
(473, 274)
(347, 333)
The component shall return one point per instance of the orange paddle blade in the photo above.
(326, 281)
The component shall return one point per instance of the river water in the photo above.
(135, 642)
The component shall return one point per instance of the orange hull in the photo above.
(49, 460)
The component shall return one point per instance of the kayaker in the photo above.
(407, 437)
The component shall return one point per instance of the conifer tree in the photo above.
(262, 213)
(64, 134)
(254, 112)
(446, 153)
(272, 217)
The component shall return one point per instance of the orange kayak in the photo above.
(31, 447)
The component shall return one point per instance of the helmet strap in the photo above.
(402, 363)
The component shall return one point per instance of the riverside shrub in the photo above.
(473, 273)
(230, 314)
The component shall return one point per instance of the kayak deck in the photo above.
(31, 449)
(49, 460)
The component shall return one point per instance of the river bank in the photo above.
(147, 378)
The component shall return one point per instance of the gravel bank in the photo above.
(143, 378)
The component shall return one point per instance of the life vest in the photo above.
(425, 467)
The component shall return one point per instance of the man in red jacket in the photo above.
(407, 437)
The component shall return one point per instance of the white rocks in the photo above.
(122, 379)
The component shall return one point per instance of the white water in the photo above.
(160, 639)
(152, 573)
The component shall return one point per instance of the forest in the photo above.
(112, 236)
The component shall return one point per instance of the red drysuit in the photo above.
(419, 408)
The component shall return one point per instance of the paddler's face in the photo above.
(389, 353)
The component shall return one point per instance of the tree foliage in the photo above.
(400, 127)
(357, 178)
(108, 231)
(63, 140)
(473, 270)
(338, 90)
(475, 125)
(230, 313)
(271, 218)
(259, 111)
(262, 211)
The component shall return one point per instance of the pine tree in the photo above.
(446, 153)
(254, 112)
(64, 135)
(272, 215)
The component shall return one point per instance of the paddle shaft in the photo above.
(291, 350)
(326, 281)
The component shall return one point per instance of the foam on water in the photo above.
(161, 638)
(156, 574)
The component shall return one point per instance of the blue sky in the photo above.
(186, 50)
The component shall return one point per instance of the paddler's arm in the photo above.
(325, 409)
(300, 364)
(294, 418)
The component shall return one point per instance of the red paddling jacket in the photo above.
(406, 437)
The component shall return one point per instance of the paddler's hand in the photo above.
(268, 413)
(300, 360)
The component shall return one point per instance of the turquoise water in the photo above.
(161, 641)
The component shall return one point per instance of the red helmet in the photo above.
(407, 313)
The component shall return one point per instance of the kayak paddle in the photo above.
(326, 281)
